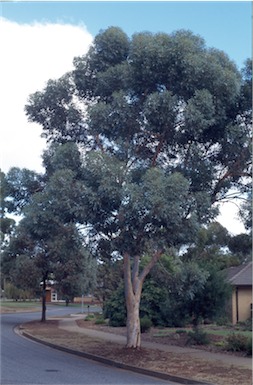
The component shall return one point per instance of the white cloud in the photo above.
(31, 54)
(229, 217)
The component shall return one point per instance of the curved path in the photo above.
(24, 362)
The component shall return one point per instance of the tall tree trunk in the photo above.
(133, 283)
(43, 314)
(133, 324)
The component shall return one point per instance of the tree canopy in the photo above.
(48, 243)
(162, 123)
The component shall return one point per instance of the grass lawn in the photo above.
(31, 304)
(20, 304)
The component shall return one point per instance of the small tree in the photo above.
(48, 243)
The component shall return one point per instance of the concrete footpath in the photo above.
(70, 325)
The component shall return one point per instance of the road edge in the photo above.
(116, 364)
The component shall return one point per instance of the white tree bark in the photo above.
(133, 287)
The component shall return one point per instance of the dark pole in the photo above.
(43, 315)
(237, 305)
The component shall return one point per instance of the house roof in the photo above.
(240, 275)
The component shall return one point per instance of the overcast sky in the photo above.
(40, 39)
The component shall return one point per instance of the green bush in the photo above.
(222, 321)
(114, 308)
(246, 325)
(100, 321)
(153, 295)
(89, 317)
(145, 324)
(198, 337)
(239, 343)
(249, 347)
(220, 344)
(173, 312)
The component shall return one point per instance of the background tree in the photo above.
(176, 293)
(7, 224)
(160, 118)
(245, 212)
(48, 243)
(240, 246)
(214, 245)
(22, 184)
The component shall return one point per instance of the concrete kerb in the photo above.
(112, 363)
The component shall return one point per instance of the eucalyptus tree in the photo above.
(48, 242)
(162, 121)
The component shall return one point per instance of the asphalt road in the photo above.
(24, 362)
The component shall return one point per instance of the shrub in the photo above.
(198, 337)
(145, 324)
(173, 312)
(114, 308)
(89, 317)
(249, 347)
(153, 295)
(222, 321)
(220, 344)
(246, 325)
(100, 321)
(239, 343)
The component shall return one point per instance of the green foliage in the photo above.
(211, 301)
(100, 321)
(48, 243)
(109, 273)
(159, 150)
(136, 106)
(7, 225)
(249, 347)
(152, 297)
(183, 288)
(90, 317)
(115, 309)
(174, 298)
(145, 323)
(210, 245)
(25, 274)
(241, 245)
(13, 292)
(222, 320)
(239, 343)
(192, 292)
(173, 312)
(198, 337)
(246, 325)
(21, 185)
(246, 212)
(62, 157)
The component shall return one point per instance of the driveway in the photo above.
(29, 363)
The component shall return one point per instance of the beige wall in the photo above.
(241, 302)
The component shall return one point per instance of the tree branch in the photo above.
(135, 273)
(127, 276)
(149, 266)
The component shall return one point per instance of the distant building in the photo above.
(240, 277)
(51, 293)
